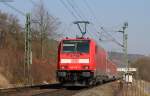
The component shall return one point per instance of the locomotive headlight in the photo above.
(63, 67)
(84, 60)
(85, 67)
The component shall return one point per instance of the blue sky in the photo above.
(111, 14)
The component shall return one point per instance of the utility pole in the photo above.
(127, 75)
(42, 32)
(28, 50)
(125, 51)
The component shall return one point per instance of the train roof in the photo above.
(78, 38)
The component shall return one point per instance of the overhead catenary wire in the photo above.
(75, 10)
(34, 3)
(18, 11)
(112, 38)
(89, 33)
(83, 16)
(80, 12)
(95, 35)
(69, 10)
(92, 14)
(96, 19)
(12, 7)
(91, 10)
(78, 9)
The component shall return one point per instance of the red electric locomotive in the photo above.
(82, 62)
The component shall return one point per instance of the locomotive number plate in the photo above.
(74, 61)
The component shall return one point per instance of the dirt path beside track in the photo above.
(108, 89)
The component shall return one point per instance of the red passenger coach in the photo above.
(82, 62)
(111, 70)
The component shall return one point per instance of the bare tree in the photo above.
(3, 25)
(44, 26)
(9, 30)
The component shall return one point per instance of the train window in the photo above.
(83, 47)
(76, 46)
(68, 47)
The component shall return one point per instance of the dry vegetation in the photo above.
(143, 66)
(12, 48)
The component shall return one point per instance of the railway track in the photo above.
(43, 90)
(20, 91)
(58, 92)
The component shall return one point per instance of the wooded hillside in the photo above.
(12, 43)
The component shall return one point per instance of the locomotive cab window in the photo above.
(68, 47)
(76, 46)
